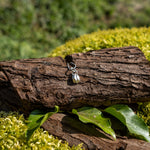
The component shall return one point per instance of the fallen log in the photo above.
(108, 76)
(75, 132)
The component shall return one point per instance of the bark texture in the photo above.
(70, 129)
(108, 76)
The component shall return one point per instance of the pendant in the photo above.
(75, 78)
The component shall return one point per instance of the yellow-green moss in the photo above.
(12, 136)
(144, 112)
(139, 37)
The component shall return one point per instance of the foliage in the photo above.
(135, 125)
(12, 135)
(37, 118)
(95, 116)
(32, 28)
(123, 113)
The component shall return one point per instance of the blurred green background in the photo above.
(32, 28)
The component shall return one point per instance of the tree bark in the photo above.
(108, 76)
(75, 132)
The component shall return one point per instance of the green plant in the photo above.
(95, 116)
(134, 124)
(36, 119)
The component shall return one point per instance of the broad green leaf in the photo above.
(36, 119)
(135, 125)
(94, 116)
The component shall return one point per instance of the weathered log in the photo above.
(108, 76)
(75, 132)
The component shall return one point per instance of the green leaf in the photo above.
(36, 119)
(94, 116)
(135, 125)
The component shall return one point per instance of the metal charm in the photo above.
(75, 76)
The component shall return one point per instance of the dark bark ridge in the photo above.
(108, 76)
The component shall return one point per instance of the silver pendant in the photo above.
(75, 76)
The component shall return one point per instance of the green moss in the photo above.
(144, 112)
(139, 37)
(12, 136)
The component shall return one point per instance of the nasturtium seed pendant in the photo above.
(75, 78)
